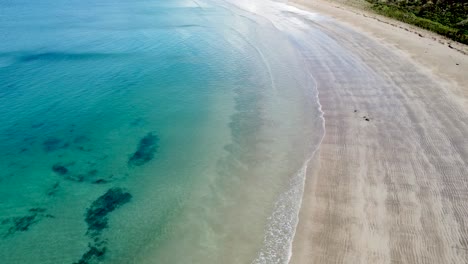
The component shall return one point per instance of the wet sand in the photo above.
(389, 183)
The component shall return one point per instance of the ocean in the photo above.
(150, 131)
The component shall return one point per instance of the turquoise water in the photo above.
(149, 132)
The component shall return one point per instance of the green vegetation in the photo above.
(445, 17)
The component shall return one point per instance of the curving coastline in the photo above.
(391, 172)
(238, 132)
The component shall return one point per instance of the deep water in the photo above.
(148, 131)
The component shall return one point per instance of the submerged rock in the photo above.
(37, 210)
(68, 171)
(145, 151)
(95, 254)
(60, 169)
(53, 190)
(137, 122)
(100, 181)
(96, 215)
(23, 223)
(53, 144)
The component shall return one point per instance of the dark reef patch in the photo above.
(147, 146)
(137, 122)
(23, 150)
(58, 56)
(96, 215)
(37, 210)
(105, 180)
(53, 144)
(100, 181)
(69, 172)
(95, 254)
(60, 169)
(23, 223)
(53, 190)
(81, 148)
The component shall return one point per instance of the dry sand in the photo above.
(393, 189)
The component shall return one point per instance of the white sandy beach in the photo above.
(393, 189)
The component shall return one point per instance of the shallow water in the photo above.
(149, 132)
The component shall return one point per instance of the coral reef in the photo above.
(145, 151)
(96, 215)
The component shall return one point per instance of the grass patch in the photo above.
(447, 20)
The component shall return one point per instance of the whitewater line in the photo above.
(314, 152)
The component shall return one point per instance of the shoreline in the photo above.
(387, 183)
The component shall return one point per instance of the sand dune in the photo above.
(390, 181)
